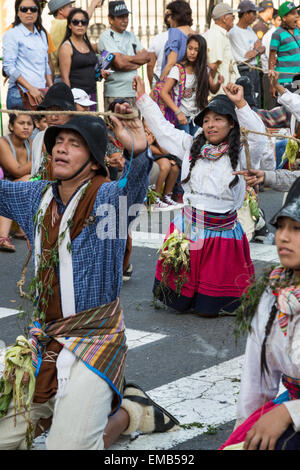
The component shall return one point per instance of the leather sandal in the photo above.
(145, 415)
(6, 245)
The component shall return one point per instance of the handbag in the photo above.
(28, 100)
(155, 95)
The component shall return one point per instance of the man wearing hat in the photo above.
(58, 98)
(60, 9)
(265, 15)
(78, 233)
(246, 47)
(220, 58)
(129, 54)
(285, 45)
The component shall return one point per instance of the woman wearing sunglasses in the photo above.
(77, 57)
(25, 55)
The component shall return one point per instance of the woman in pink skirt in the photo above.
(219, 265)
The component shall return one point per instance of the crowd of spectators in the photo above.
(185, 70)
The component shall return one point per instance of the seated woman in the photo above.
(15, 160)
(169, 168)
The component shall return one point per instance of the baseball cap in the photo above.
(117, 8)
(81, 97)
(265, 4)
(286, 8)
(247, 5)
(220, 104)
(220, 10)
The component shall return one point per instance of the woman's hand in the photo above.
(130, 131)
(105, 74)
(236, 94)
(138, 85)
(36, 94)
(267, 430)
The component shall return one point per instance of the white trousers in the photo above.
(79, 420)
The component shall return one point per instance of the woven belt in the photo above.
(209, 220)
(292, 385)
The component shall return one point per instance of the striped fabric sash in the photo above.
(96, 336)
(293, 387)
(209, 220)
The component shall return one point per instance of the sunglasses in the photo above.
(78, 22)
(31, 9)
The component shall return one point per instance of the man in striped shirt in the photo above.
(285, 45)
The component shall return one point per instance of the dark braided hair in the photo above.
(263, 362)
(233, 139)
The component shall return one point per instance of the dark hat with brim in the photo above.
(59, 95)
(220, 104)
(92, 129)
(291, 207)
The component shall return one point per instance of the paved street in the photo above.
(188, 364)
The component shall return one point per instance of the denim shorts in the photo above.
(14, 98)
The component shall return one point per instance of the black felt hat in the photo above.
(59, 95)
(92, 130)
(220, 104)
(291, 207)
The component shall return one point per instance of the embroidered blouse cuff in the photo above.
(293, 408)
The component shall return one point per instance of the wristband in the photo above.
(178, 112)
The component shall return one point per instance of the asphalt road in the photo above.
(186, 346)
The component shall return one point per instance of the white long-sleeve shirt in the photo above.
(291, 101)
(208, 188)
(282, 355)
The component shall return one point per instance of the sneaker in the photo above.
(261, 229)
(160, 206)
(260, 235)
(128, 273)
(167, 199)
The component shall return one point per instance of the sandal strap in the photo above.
(5, 239)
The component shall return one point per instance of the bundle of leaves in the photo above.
(18, 382)
(175, 254)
